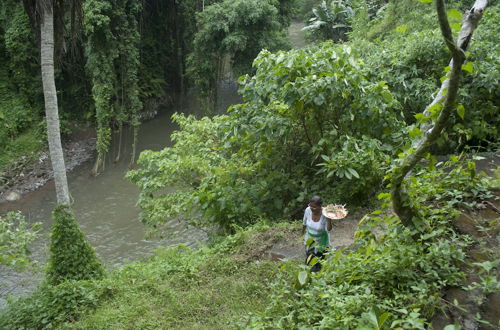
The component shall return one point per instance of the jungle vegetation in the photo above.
(345, 116)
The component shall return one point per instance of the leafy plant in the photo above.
(330, 20)
(488, 279)
(71, 257)
(238, 30)
(49, 306)
(262, 158)
(15, 238)
(358, 165)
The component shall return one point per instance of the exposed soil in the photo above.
(26, 174)
(483, 226)
(291, 246)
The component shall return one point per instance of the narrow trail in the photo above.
(341, 236)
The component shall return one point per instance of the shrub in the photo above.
(412, 58)
(49, 306)
(71, 257)
(15, 237)
(391, 277)
(265, 156)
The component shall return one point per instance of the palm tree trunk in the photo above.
(50, 96)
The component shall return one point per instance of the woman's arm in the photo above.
(304, 220)
(329, 224)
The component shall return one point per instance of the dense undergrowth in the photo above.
(326, 119)
(394, 278)
(387, 278)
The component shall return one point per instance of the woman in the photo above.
(316, 226)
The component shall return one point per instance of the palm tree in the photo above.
(50, 96)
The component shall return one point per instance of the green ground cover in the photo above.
(28, 144)
(178, 288)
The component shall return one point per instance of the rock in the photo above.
(491, 312)
(12, 196)
(466, 225)
(478, 255)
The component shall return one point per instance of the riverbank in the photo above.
(30, 172)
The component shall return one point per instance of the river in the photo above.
(105, 206)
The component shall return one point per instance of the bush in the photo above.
(70, 256)
(266, 156)
(49, 306)
(412, 58)
(391, 277)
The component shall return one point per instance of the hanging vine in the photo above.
(234, 29)
(112, 62)
(100, 52)
(129, 52)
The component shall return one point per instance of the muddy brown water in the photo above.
(105, 206)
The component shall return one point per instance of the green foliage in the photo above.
(480, 94)
(20, 81)
(382, 17)
(27, 145)
(15, 237)
(21, 53)
(266, 156)
(237, 30)
(411, 58)
(454, 183)
(488, 282)
(193, 157)
(319, 105)
(360, 165)
(331, 20)
(49, 306)
(71, 257)
(216, 284)
(387, 276)
(112, 62)
(411, 64)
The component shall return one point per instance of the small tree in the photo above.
(71, 257)
(441, 107)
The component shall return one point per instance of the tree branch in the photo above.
(469, 24)
(447, 95)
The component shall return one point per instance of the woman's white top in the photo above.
(315, 227)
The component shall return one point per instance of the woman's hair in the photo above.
(316, 199)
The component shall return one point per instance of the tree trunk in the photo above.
(50, 96)
(401, 200)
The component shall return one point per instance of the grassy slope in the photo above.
(184, 289)
(26, 144)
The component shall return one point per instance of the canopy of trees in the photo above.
(117, 61)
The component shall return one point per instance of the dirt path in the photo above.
(297, 37)
(341, 236)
